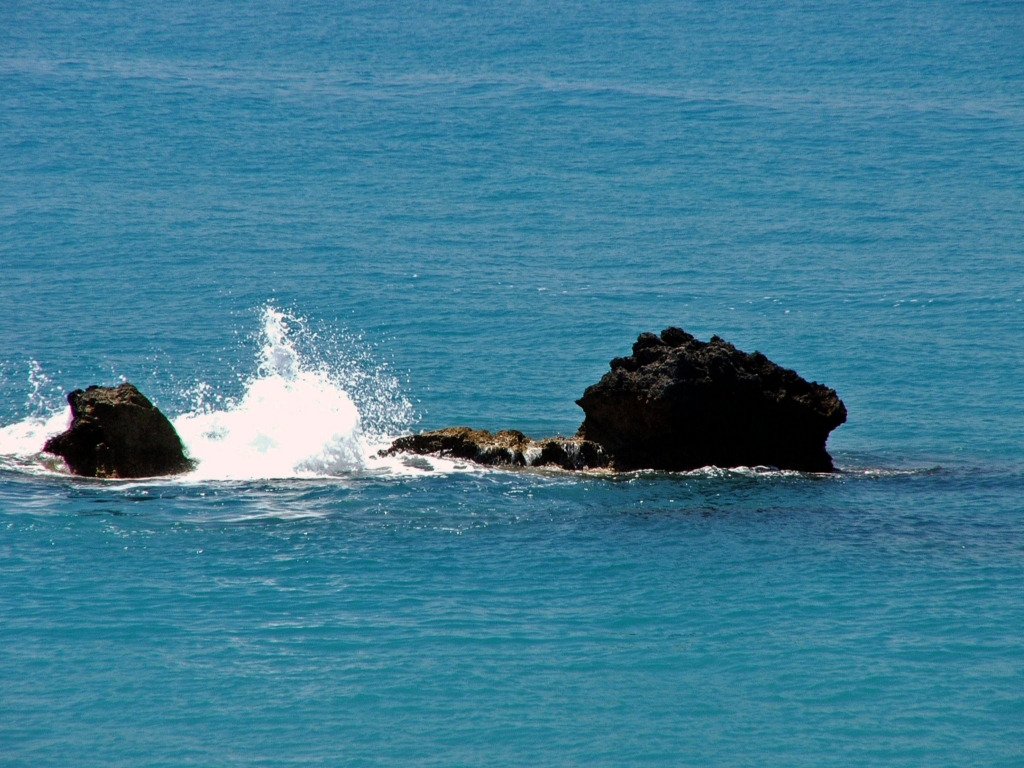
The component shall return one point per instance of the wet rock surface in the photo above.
(505, 448)
(116, 432)
(678, 404)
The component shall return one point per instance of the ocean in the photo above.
(305, 228)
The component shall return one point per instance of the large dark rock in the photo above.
(117, 432)
(508, 447)
(678, 404)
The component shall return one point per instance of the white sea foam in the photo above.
(297, 416)
(21, 443)
(283, 426)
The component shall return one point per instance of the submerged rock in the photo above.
(678, 404)
(116, 432)
(508, 447)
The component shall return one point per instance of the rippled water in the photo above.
(304, 229)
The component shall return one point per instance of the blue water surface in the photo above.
(465, 211)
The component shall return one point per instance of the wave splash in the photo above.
(21, 442)
(301, 414)
(296, 417)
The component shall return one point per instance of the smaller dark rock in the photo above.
(571, 453)
(508, 447)
(116, 432)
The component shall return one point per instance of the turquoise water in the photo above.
(302, 229)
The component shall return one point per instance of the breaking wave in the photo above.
(301, 414)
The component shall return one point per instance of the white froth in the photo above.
(296, 418)
(24, 440)
(292, 421)
(282, 427)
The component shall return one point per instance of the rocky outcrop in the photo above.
(675, 404)
(116, 432)
(678, 404)
(505, 448)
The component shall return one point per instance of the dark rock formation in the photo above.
(505, 448)
(675, 404)
(117, 432)
(678, 404)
